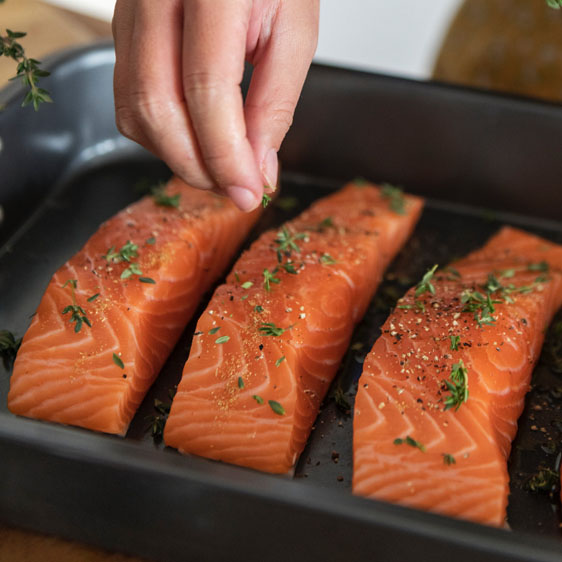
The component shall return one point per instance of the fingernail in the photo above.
(269, 169)
(243, 198)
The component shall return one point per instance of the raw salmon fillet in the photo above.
(266, 349)
(423, 442)
(149, 266)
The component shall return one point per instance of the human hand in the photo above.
(179, 64)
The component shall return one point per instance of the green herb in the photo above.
(9, 346)
(289, 267)
(213, 331)
(270, 329)
(258, 399)
(425, 285)
(150, 241)
(222, 339)
(340, 398)
(27, 69)
(265, 200)
(507, 273)
(482, 306)
(455, 340)
(541, 266)
(269, 277)
(93, 297)
(453, 273)
(133, 269)
(457, 385)
(157, 422)
(279, 361)
(78, 313)
(405, 306)
(327, 259)
(247, 285)
(410, 441)
(449, 459)
(240, 382)
(147, 280)
(395, 197)
(276, 407)
(236, 277)
(258, 308)
(117, 360)
(127, 252)
(287, 241)
(360, 182)
(326, 223)
(161, 198)
(556, 4)
(286, 203)
(243, 297)
(545, 480)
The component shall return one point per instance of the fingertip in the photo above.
(269, 169)
(244, 198)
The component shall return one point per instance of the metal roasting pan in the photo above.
(482, 160)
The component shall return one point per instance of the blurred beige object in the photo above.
(49, 29)
(506, 45)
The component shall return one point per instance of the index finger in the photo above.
(213, 64)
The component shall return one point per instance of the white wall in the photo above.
(390, 36)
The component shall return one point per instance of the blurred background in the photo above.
(507, 45)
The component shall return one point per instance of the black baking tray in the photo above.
(482, 160)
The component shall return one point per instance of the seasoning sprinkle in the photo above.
(425, 285)
(213, 331)
(78, 313)
(276, 407)
(247, 285)
(279, 361)
(270, 329)
(327, 259)
(269, 277)
(448, 459)
(162, 199)
(93, 297)
(222, 339)
(258, 399)
(457, 385)
(455, 340)
(147, 280)
(395, 197)
(118, 361)
(265, 200)
(410, 441)
(150, 241)
(240, 383)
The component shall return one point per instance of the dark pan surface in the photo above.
(137, 496)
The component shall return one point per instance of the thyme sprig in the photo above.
(395, 197)
(127, 252)
(287, 241)
(270, 329)
(410, 441)
(78, 313)
(457, 385)
(162, 199)
(269, 277)
(27, 69)
(556, 4)
(158, 420)
(425, 285)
